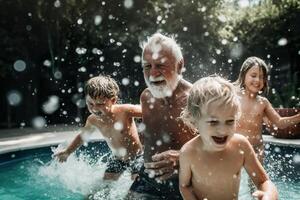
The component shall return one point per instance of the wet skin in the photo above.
(254, 108)
(165, 133)
(210, 164)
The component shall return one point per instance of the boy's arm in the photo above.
(275, 118)
(185, 176)
(266, 189)
(77, 142)
(134, 110)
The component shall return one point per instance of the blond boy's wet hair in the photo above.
(204, 92)
(101, 86)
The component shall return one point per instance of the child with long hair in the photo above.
(252, 82)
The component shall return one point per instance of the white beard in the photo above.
(162, 91)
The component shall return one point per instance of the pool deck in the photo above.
(27, 138)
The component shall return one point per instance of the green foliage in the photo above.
(271, 30)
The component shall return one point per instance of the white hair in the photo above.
(157, 40)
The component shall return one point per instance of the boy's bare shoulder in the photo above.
(190, 146)
(240, 140)
(91, 118)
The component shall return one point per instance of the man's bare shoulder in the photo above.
(146, 95)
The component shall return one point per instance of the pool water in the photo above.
(33, 174)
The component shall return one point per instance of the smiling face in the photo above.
(99, 106)
(254, 81)
(216, 126)
(161, 71)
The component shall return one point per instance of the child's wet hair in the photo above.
(207, 90)
(101, 86)
(248, 64)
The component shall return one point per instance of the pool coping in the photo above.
(32, 141)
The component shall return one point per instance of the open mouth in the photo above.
(98, 113)
(158, 82)
(220, 139)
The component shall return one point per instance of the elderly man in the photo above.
(162, 103)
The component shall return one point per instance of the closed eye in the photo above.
(147, 66)
(230, 122)
(213, 122)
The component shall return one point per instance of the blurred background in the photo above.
(49, 48)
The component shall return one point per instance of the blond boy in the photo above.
(211, 163)
(114, 121)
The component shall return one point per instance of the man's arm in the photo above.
(185, 176)
(266, 189)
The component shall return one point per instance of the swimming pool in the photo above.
(33, 174)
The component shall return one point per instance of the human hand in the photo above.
(61, 156)
(261, 195)
(164, 165)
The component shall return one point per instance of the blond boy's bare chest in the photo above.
(217, 177)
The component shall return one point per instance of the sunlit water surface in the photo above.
(41, 177)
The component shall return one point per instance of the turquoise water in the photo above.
(35, 175)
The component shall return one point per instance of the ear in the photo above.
(114, 100)
(180, 66)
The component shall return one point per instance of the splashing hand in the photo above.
(261, 195)
(61, 156)
(164, 165)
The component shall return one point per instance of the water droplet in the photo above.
(47, 63)
(296, 158)
(57, 4)
(282, 42)
(125, 81)
(118, 126)
(82, 69)
(51, 105)
(101, 58)
(128, 4)
(80, 50)
(224, 41)
(158, 142)
(141, 127)
(58, 74)
(14, 98)
(79, 21)
(19, 65)
(137, 59)
(277, 149)
(97, 20)
(38, 122)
